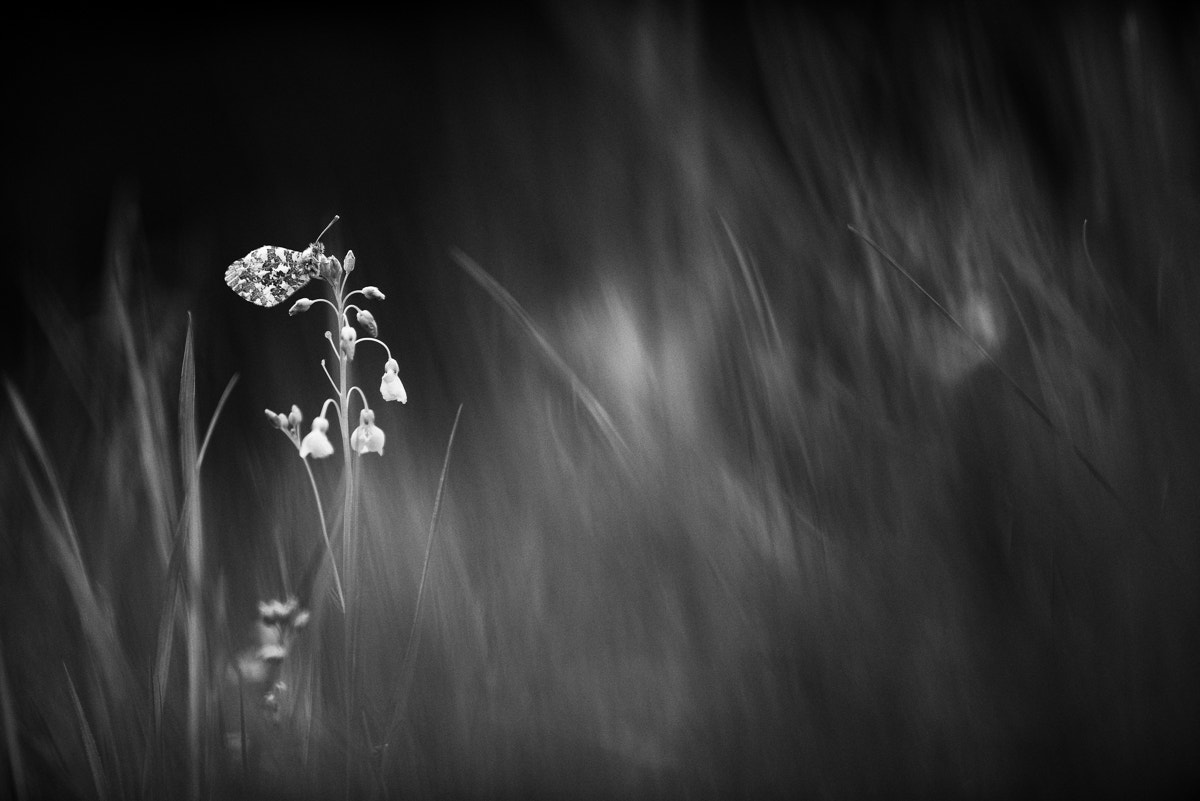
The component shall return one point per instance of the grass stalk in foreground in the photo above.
(12, 748)
(413, 641)
(196, 634)
(1042, 414)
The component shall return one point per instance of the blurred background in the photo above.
(734, 508)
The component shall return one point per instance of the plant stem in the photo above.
(349, 537)
(337, 581)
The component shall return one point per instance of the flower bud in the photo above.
(273, 418)
(349, 265)
(302, 305)
(367, 321)
(295, 418)
(330, 269)
(372, 293)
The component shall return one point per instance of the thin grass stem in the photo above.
(12, 747)
(413, 642)
(1012, 382)
(337, 581)
(99, 780)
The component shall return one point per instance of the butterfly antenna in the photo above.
(336, 217)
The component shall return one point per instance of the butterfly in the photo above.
(269, 275)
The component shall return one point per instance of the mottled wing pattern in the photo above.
(270, 275)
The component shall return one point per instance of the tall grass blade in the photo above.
(99, 781)
(151, 427)
(755, 290)
(413, 642)
(12, 748)
(599, 415)
(193, 531)
(60, 529)
(164, 649)
(1012, 382)
(167, 618)
(212, 422)
(1112, 309)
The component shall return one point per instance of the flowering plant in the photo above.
(266, 277)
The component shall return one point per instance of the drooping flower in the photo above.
(367, 321)
(391, 388)
(315, 443)
(367, 437)
(349, 337)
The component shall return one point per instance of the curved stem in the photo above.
(337, 581)
(360, 394)
(323, 300)
(349, 537)
(380, 342)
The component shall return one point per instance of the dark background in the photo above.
(226, 135)
(823, 547)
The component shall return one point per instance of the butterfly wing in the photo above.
(269, 275)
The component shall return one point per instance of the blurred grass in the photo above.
(837, 554)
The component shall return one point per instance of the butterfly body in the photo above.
(270, 275)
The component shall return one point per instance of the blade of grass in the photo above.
(89, 741)
(601, 417)
(165, 648)
(1012, 382)
(410, 647)
(755, 290)
(67, 341)
(212, 422)
(151, 428)
(242, 726)
(1112, 310)
(12, 748)
(195, 634)
(166, 628)
(60, 530)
